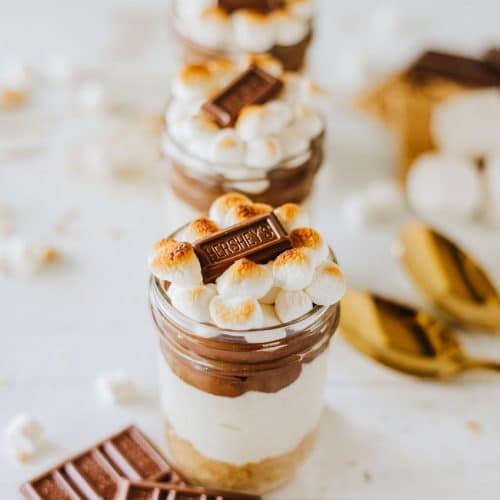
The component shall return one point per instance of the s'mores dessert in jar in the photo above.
(245, 302)
(207, 29)
(249, 127)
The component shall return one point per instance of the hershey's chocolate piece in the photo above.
(158, 491)
(259, 239)
(99, 471)
(253, 86)
(257, 5)
(492, 57)
(466, 70)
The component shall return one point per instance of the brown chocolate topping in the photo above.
(254, 86)
(99, 471)
(492, 58)
(259, 239)
(158, 491)
(257, 5)
(454, 67)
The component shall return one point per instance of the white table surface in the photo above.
(383, 435)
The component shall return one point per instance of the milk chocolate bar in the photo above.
(158, 491)
(257, 5)
(259, 239)
(98, 472)
(461, 69)
(253, 86)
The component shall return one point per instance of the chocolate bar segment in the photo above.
(259, 239)
(159, 491)
(253, 86)
(257, 5)
(98, 472)
(492, 57)
(461, 69)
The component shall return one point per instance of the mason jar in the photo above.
(240, 408)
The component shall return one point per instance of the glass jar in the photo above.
(241, 408)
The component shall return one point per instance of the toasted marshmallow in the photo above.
(292, 142)
(251, 122)
(328, 284)
(292, 305)
(116, 388)
(310, 240)
(438, 184)
(492, 183)
(293, 87)
(267, 62)
(244, 212)
(195, 130)
(175, 262)
(199, 228)
(227, 147)
(278, 116)
(269, 316)
(263, 153)
(301, 8)
(211, 28)
(193, 82)
(24, 437)
(222, 205)
(245, 278)
(468, 123)
(293, 269)
(270, 297)
(236, 313)
(289, 28)
(253, 32)
(292, 216)
(308, 122)
(194, 302)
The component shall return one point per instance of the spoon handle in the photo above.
(484, 364)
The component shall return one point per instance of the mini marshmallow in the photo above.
(278, 114)
(193, 82)
(293, 88)
(270, 297)
(269, 317)
(289, 28)
(438, 184)
(292, 142)
(263, 153)
(245, 278)
(253, 31)
(199, 228)
(91, 97)
(227, 147)
(197, 128)
(310, 240)
(292, 305)
(267, 62)
(193, 302)
(292, 216)
(293, 269)
(223, 205)
(175, 262)
(246, 211)
(211, 28)
(236, 313)
(251, 122)
(307, 122)
(24, 436)
(468, 124)
(116, 388)
(328, 285)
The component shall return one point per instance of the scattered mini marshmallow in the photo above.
(378, 203)
(253, 31)
(24, 437)
(328, 284)
(246, 211)
(176, 262)
(236, 313)
(292, 216)
(199, 228)
(291, 305)
(194, 302)
(468, 124)
(310, 240)
(293, 269)
(263, 152)
(439, 184)
(222, 205)
(245, 278)
(91, 96)
(227, 147)
(116, 388)
(492, 183)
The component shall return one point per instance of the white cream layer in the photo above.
(247, 428)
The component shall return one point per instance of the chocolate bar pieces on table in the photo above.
(97, 473)
(158, 491)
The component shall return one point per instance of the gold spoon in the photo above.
(405, 339)
(449, 278)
